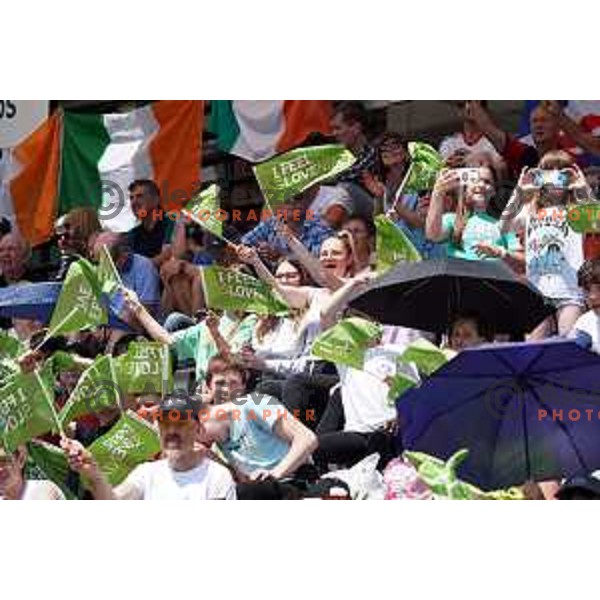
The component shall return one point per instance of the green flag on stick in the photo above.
(97, 389)
(229, 290)
(205, 209)
(347, 342)
(427, 357)
(400, 383)
(108, 276)
(26, 409)
(78, 306)
(286, 175)
(130, 442)
(392, 245)
(145, 368)
(46, 461)
(426, 163)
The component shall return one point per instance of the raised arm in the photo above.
(152, 327)
(446, 182)
(486, 125)
(309, 260)
(296, 297)
(339, 299)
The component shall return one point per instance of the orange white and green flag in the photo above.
(80, 159)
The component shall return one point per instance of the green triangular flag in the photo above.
(226, 289)
(426, 356)
(347, 342)
(286, 175)
(392, 245)
(97, 389)
(203, 209)
(426, 163)
(26, 408)
(108, 276)
(145, 368)
(46, 461)
(441, 476)
(130, 442)
(78, 306)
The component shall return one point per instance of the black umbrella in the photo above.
(427, 295)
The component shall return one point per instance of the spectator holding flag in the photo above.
(183, 473)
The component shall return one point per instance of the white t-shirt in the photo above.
(457, 141)
(40, 489)
(553, 254)
(589, 323)
(364, 393)
(282, 342)
(157, 481)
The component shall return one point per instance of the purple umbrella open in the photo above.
(525, 411)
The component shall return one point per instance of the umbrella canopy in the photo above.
(427, 295)
(36, 301)
(524, 411)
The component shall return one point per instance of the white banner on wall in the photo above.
(19, 118)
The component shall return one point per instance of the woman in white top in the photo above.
(308, 388)
(538, 211)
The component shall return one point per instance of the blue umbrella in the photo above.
(36, 301)
(525, 411)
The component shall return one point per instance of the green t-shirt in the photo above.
(195, 343)
(480, 227)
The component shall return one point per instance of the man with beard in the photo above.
(183, 473)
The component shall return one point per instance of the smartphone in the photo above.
(558, 178)
(467, 175)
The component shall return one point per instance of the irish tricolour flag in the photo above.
(258, 129)
(80, 159)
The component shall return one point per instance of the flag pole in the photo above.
(52, 331)
(50, 402)
(112, 264)
(400, 190)
(203, 225)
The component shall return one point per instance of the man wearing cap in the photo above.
(183, 473)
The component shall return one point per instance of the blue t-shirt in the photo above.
(140, 275)
(252, 443)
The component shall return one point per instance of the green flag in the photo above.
(10, 346)
(229, 290)
(145, 368)
(46, 461)
(26, 408)
(205, 209)
(441, 476)
(426, 163)
(584, 218)
(97, 389)
(400, 383)
(392, 245)
(427, 356)
(130, 442)
(78, 306)
(286, 175)
(108, 276)
(347, 342)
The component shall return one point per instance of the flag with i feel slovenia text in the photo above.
(26, 408)
(288, 174)
(130, 442)
(145, 369)
(228, 290)
(79, 304)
